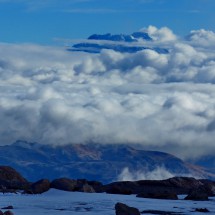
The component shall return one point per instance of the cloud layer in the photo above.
(162, 101)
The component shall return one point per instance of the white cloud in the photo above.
(163, 34)
(162, 101)
(202, 37)
(159, 173)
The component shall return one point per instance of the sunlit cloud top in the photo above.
(162, 101)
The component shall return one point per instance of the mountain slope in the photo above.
(92, 161)
(121, 37)
(208, 162)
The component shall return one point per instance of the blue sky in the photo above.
(40, 21)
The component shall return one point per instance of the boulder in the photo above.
(177, 185)
(118, 190)
(97, 186)
(9, 174)
(158, 195)
(8, 207)
(8, 213)
(65, 184)
(202, 210)
(10, 179)
(87, 189)
(209, 187)
(197, 195)
(39, 187)
(123, 209)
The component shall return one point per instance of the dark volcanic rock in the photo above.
(65, 184)
(160, 212)
(158, 195)
(8, 213)
(9, 174)
(208, 187)
(10, 179)
(87, 189)
(39, 187)
(97, 186)
(119, 190)
(176, 185)
(8, 207)
(122, 209)
(202, 210)
(197, 195)
(81, 185)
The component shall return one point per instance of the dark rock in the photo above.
(39, 187)
(79, 184)
(9, 174)
(209, 187)
(87, 189)
(1, 213)
(97, 186)
(119, 190)
(185, 182)
(203, 210)
(8, 207)
(8, 213)
(176, 185)
(160, 212)
(122, 209)
(10, 179)
(197, 195)
(64, 184)
(158, 195)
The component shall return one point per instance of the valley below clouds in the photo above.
(162, 101)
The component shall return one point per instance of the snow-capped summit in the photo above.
(121, 37)
(110, 37)
(123, 43)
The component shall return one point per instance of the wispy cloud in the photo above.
(109, 10)
(92, 10)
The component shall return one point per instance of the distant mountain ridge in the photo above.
(91, 161)
(119, 42)
(135, 37)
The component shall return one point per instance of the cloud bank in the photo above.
(162, 101)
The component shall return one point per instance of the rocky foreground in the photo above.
(199, 190)
(195, 189)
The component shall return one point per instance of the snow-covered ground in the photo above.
(56, 202)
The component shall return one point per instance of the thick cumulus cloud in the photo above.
(162, 101)
(163, 34)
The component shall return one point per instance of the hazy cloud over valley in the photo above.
(163, 101)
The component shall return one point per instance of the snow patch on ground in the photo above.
(57, 202)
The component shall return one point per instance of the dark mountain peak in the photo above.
(141, 35)
(109, 41)
(121, 37)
